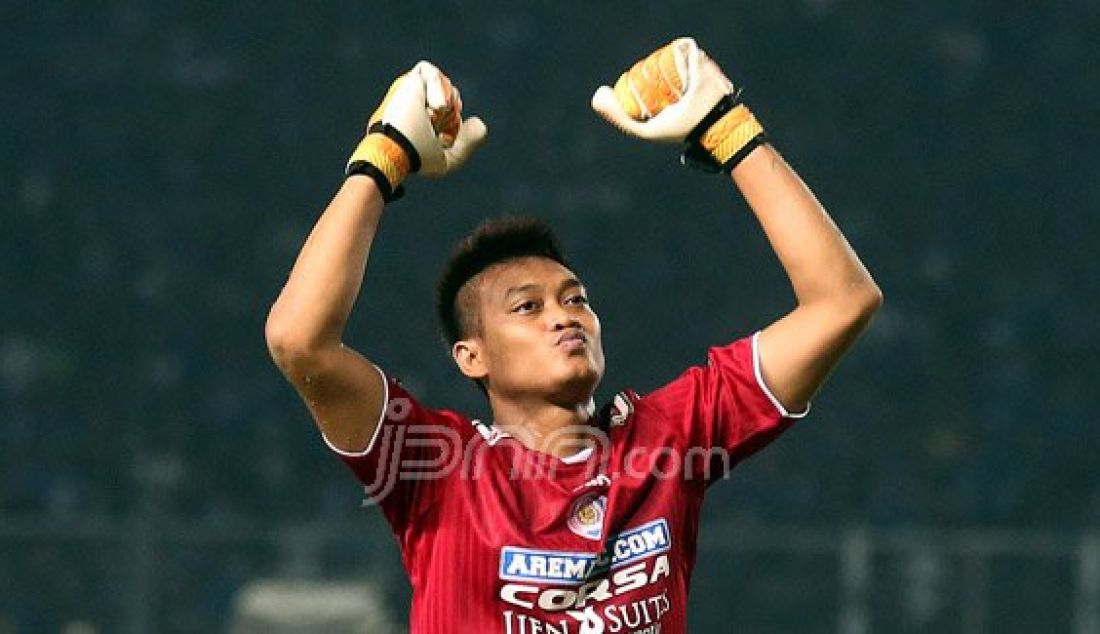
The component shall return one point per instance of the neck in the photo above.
(560, 430)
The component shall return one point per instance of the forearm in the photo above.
(822, 267)
(324, 283)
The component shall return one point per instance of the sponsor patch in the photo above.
(566, 568)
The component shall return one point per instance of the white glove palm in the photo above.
(426, 108)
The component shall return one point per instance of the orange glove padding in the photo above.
(678, 94)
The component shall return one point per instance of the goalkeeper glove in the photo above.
(418, 127)
(678, 94)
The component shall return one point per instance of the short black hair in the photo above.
(494, 241)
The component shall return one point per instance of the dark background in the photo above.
(161, 167)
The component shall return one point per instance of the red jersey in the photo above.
(496, 537)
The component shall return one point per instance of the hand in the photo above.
(418, 127)
(678, 94)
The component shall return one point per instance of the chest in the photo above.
(529, 500)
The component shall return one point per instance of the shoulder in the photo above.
(403, 407)
(736, 358)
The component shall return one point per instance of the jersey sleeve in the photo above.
(723, 411)
(412, 454)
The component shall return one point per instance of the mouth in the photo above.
(572, 340)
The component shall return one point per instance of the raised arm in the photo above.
(679, 95)
(305, 327)
(836, 295)
(418, 127)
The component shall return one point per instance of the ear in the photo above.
(468, 355)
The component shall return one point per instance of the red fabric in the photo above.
(487, 540)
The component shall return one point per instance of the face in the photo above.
(538, 335)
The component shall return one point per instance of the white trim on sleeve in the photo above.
(764, 386)
(377, 428)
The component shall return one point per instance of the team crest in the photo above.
(586, 515)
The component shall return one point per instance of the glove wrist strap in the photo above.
(383, 159)
(724, 137)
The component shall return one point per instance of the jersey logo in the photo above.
(490, 433)
(621, 409)
(586, 516)
(602, 480)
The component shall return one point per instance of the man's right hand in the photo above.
(418, 127)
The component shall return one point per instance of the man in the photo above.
(555, 518)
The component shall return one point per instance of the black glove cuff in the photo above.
(366, 168)
(756, 142)
(724, 105)
(696, 157)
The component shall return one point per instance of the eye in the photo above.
(577, 299)
(526, 306)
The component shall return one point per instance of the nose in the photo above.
(562, 319)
